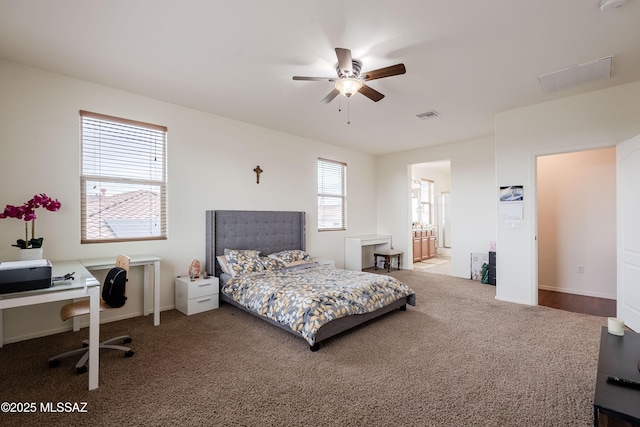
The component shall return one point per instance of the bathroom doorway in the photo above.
(431, 215)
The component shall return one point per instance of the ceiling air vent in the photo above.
(427, 115)
(578, 74)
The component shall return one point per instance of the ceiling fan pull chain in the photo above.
(348, 112)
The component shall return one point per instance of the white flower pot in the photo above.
(30, 254)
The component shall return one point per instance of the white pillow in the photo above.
(222, 261)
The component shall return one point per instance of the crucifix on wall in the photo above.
(258, 171)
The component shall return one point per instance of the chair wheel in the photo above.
(81, 370)
(128, 353)
(127, 340)
(54, 363)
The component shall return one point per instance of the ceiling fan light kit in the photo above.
(348, 86)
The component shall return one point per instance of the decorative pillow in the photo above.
(299, 262)
(222, 261)
(243, 261)
(272, 264)
(291, 256)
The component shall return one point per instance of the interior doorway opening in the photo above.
(576, 235)
(431, 216)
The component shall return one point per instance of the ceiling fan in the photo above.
(350, 80)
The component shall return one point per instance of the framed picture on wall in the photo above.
(512, 193)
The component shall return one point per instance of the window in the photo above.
(123, 179)
(332, 195)
(427, 201)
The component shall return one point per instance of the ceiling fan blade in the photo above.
(316, 79)
(327, 99)
(344, 61)
(392, 70)
(372, 94)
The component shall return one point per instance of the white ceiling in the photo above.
(466, 59)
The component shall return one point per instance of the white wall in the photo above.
(576, 207)
(210, 163)
(597, 119)
(473, 198)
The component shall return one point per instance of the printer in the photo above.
(17, 276)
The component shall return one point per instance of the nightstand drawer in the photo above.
(200, 304)
(199, 288)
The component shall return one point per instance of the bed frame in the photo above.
(270, 232)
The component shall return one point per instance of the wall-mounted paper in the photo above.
(511, 202)
(511, 211)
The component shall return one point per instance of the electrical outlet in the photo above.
(580, 269)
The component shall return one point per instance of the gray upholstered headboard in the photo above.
(265, 231)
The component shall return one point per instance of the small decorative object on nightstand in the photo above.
(196, 296)
(194, 269)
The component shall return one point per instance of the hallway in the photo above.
(440, 264)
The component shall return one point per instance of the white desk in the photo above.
(84, 285)
(151, 265)
(353, 248)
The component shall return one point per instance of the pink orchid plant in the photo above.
(27, 212)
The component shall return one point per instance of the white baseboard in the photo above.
(9, 340)
(69, 326)
(515, 301)
(577, 292)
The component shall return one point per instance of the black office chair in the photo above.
(113, 297)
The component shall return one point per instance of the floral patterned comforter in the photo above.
(304, 299)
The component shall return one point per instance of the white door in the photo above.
(628, 238)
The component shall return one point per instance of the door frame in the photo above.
(532, 194)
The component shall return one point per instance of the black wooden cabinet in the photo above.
(492, 268)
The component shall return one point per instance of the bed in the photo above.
(243, 233)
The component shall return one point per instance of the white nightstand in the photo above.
(197, 296)
(325, 261)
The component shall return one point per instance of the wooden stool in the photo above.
(388, 254)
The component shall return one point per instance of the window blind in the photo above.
(332, 195)
(123, 179)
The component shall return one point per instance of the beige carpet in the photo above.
(460, 358)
